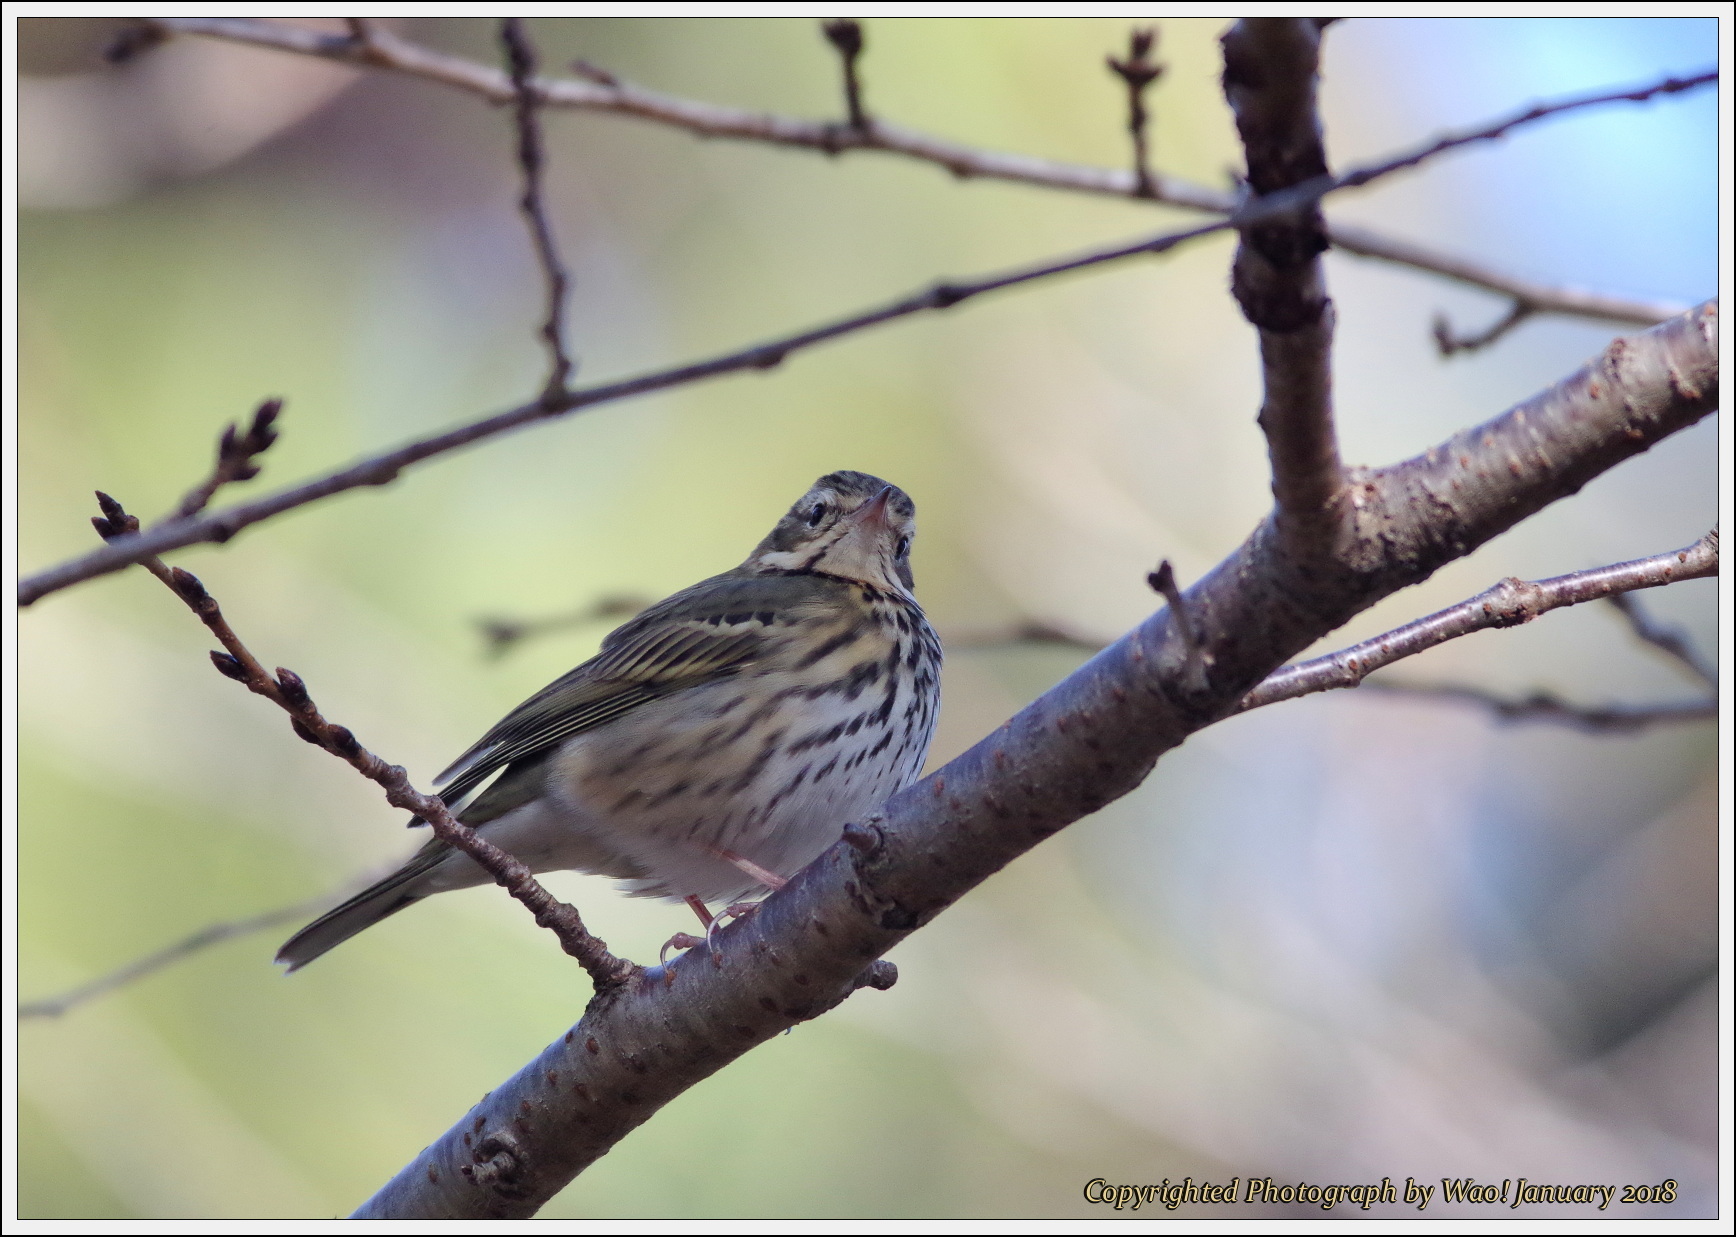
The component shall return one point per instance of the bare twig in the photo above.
(186, 947)
(1545, 298)
(1447, 342)
(503, 634)
(1028, 632)
(1507, 604)
(286, 690)
(845, 34)
(521, 62)
(1198, 661)
(1271, 66)
(235, 455)
(1138, 72)
(1548, 707)
(385, 467)
(1489, 132)
(1671, 640)
(602, 91)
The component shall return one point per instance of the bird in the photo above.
(720, 740)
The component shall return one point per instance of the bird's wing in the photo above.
(706, 632)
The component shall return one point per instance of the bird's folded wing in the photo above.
(693, 637)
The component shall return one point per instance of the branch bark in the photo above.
(1084, 743)
(607, 93)
(1271, 67)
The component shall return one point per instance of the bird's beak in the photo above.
(872, 515)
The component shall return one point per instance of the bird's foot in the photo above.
(681, 940)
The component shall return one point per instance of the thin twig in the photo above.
(1489, 132)
(1548, 707)
(1671, 640)
(385, 467)
(186, 947)
(605, 92)
(286, 690)
(1507, 604)
(235, 456)
(1563, 300)
(1162, 581)
(521, 61)
(1027, 633)
(503, 634)
(845, 34)
(1447, 342)
(1138, 72)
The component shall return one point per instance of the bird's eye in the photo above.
(816, 514)
(903, 547)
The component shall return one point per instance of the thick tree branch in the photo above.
(286, 690)
(1086, 742)
(521, 65)
(1507, 604)
(1271, 66)
(605, 92)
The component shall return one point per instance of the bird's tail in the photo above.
(367, 908)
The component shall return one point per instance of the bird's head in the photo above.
(848, 524)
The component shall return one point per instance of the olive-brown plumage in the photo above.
(728, 732)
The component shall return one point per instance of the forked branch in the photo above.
(1506, 604)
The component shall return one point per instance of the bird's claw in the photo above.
(681, 940)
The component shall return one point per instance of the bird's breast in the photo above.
(772, 761)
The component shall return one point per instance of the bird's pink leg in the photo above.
(684, 940)
(771, 880)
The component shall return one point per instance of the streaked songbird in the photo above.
(720, 740)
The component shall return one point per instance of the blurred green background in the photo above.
(1351, 937)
